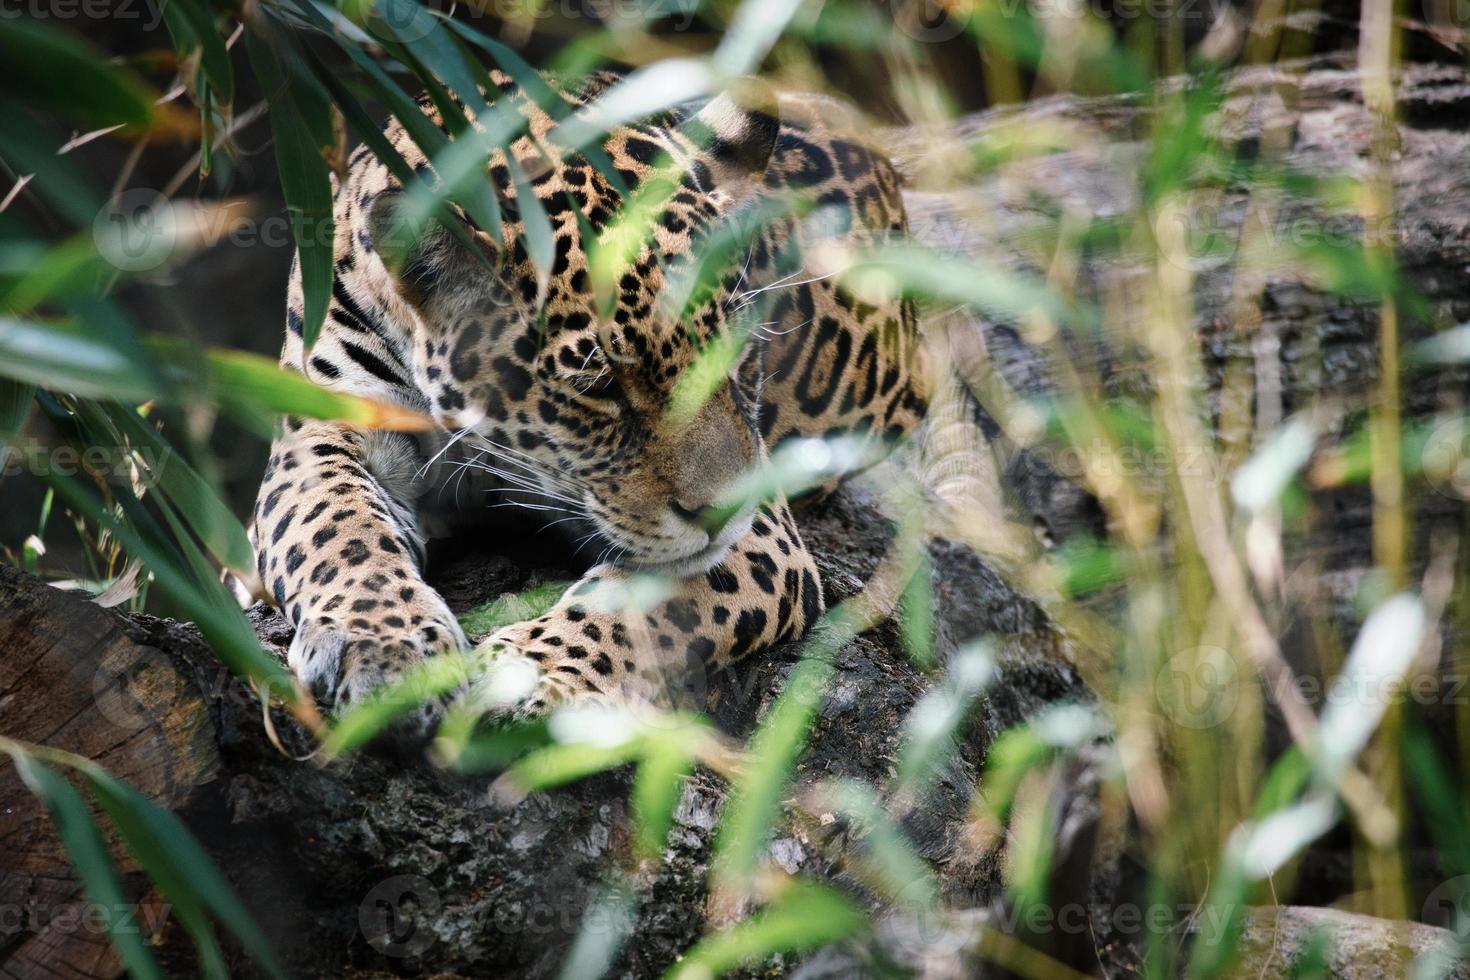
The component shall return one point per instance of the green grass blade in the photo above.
(806, 917)
(301, 125)
(198, 879)
(656, 791)
(191, 24)
(52, 68)
(207, 514)
(89, 858)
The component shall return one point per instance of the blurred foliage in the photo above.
(1192, 568)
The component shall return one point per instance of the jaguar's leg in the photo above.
(764, 591)
(338, 549)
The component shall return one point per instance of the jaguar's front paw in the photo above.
(513, 683)
(345, 661)
(533, 668)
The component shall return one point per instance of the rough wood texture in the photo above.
(381, 862)
(78, 677)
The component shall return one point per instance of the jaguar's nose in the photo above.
(711, 518)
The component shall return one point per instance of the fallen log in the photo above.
(374, 863)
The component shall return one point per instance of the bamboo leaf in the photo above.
(929, 730)
(69, 357)
(15, 405)
(191, 24)
(89, 858)
(1378, 661)
(195, 499)
(900, 873)
(756, 796)
(301, 125)
(656, 791)
(204, 601)
(806, 917)
(429, 680)
(606, 925)
(249, 381)
(49, 67)
(172, 849)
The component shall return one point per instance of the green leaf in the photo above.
(191, 24)
(533, 85)
(158, 861)
(928, 275)
(930, 729)
(205, 601)
(89, 858)
(1433, 784)
(208, 515)
(172, 851)
(897, 870)
(301, 124)
(28, 149)
(1263, 477)
(431, 679)
(372, 136)
(756, 795)
(535, 225)
(806, 917)
(1085, 564)
(462, 744)
(605, 926)
(74, 358)
(557, 765)
(246, 381)
(752, 32)
(1380, 658)
(15, 405)
(64, 358)
(916, 613)
(656, 791)
(49, 67)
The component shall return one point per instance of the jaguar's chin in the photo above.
(690, 563)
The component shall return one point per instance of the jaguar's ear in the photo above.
(737, 131)
(419, 257)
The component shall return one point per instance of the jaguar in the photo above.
(626, 406)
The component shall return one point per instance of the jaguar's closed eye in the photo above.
(597, 384)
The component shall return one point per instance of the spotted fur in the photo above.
(555, 398)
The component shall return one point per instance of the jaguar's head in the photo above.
(622, 389)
